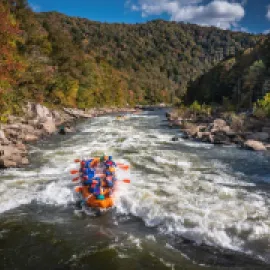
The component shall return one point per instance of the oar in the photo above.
(123, 166)
(75, 179)
(78, 189)
(127, 181)
(74, 171)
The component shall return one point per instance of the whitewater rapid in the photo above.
(175, 187)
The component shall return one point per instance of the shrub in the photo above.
(262, 107)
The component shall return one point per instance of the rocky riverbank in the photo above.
(38, 122)
(249, 133)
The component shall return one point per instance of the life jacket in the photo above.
(110, 163)
(94, 162)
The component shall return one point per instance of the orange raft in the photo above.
(91, 200)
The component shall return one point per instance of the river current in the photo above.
(189, 205)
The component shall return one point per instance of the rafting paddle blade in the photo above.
(78, 189)
(75, 179)
(74, 171)
(123, 167)
(77, 160)
(127, 181)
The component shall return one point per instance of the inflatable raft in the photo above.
(98, 181)
(92, 201)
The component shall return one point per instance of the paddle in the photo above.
(78, 189)
(74, 171)
(127, 181)
(123, 167)
(75, 179)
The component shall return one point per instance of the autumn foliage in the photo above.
(64, 61)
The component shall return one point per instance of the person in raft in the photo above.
(96, 185)
(110, 177)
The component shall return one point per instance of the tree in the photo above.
(9, 35)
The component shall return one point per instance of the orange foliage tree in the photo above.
(9, 59)
(9, 34)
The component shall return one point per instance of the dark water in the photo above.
(189, 206)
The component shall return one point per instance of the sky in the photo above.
(237, 15)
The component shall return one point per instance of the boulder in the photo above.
(57, 117)
(41, 112)
(5, 142)
(27, 129)
(38, 111)
(77, 113)
(13, 155)
(2, 135)
(33, 122)
(24, 161)
(220, 138)
(13, 133)
(219, 123)
(254, 145)
(204, 136)
(6, 163)
(30, 138)
(190, 129)
(202, 128)
(49, 126)
(21, 147)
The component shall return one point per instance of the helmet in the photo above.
(110, 157)
(82, 163)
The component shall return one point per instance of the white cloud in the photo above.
(220, 13)
(35, 7)
(266, 32)
(268, 13)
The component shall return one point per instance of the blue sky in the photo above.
(244, 15)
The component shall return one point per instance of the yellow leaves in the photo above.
(72, 88)
(262, 107)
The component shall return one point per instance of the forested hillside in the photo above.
(158, 55)
(65, 61)
(237, 81)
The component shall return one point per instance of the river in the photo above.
(189, 205)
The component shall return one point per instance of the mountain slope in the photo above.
(157, 54)
(241, 80)
(65, 61)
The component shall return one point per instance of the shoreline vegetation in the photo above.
(39, 122)
(247, 130)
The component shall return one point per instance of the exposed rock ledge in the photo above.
(221, 131)
(38, 122)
